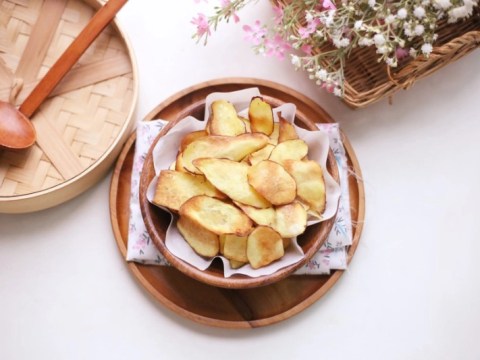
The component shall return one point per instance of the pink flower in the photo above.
(310, 29)
(277, 47)
(226, 3)
(278, 17)
(307, 49)
(201, 22)
(255, 33)
(328, 5)
(401, 53)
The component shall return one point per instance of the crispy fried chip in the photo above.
(261, 116)
(227, 147)
(308, 176)
(230, 177)
(264, 245)
(289, 149)
(203, 241)
(224, 120)
(216, 216)
(236, 264)
(290, 220)
(174, 188)
(273, 182)
(273, 138)
(259, 155)
(286, 131)
(264, 217)
(235, 247)
(190, 137)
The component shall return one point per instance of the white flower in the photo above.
(309, 16)
(322, 74)
(296, 61)
(379, 40)
(382, 50)
(427, 49)
(443, 4)
(391, 62)
(337, 91)
(412, 52)
(402, 13)
(365, 41)
(390, 19)
(372, 3)
(408, 31)
(358, 24)
(419, 12)
(419, 29)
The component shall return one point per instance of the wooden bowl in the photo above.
(158, 220)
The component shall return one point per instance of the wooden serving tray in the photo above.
(206, 304)
(83, 125)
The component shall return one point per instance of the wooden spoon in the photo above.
(16, 130)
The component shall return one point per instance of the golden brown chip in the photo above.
(286, 131)
(204, 242)
(264, 245)
(289, 149)
(216, 216)
(290, 220)
(179, 163)
(227, 147)
(273, 182)
(310, 182)
(235, 248)
(174, 188)
(236, 264)
(259, 155)
(264, 217)
(261, 116)
(273, 138)
(190, 137)
(224, 120)
(230, 177)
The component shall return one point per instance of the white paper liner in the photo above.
(165, 152)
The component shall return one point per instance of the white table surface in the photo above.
(412, 290)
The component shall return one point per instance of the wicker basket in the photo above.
(367, 80)
(82, 126)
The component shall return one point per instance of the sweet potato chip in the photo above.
(203, 241)
(174, 188)
(259, 155)
(224, 120)
(230, 177)
(273, 182)
(226, 147)
(261, 116)
(290, 220)
(191, 137)
(216, 216)
(289, 149)
(264, 245)
(286, 131)
(308, 176)
(235, 248)
(264, 217)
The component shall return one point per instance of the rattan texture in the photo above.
(88, 109)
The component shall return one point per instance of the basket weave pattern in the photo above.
(88, 109)
(367, 80)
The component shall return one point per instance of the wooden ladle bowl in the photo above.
(158, 220)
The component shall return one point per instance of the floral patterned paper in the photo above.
(331, 256)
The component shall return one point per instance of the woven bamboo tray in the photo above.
(368, 81)
(85, 121)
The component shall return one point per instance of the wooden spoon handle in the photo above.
(69, 58)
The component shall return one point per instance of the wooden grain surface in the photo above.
(211, 305)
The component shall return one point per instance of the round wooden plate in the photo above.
(214, 306)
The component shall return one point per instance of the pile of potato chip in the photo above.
(242, 187)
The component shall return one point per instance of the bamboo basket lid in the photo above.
(86, 120)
